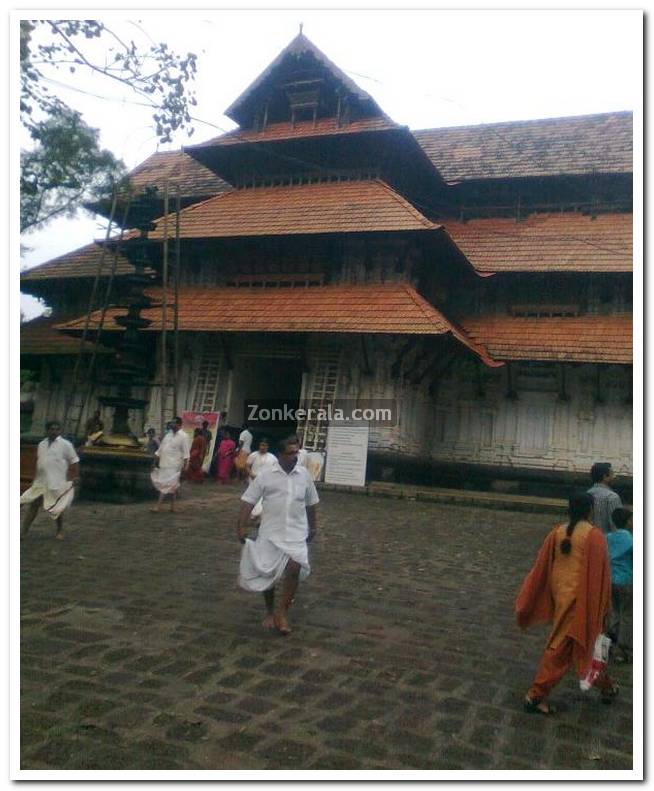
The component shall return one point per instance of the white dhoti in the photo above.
(55, 501)
(166, 479)
(263, 562)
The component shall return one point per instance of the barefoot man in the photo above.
(288, 524)
(56, 471)
(170, 460)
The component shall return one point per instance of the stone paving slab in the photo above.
(140, 652)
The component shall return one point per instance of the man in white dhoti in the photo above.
(54, 482)
(288, 524)
(170, 460)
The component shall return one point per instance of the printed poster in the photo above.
(193, 420)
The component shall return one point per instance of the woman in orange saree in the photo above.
(198, 450)
(570, 587)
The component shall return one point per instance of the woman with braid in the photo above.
(570, 587)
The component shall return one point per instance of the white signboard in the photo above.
(347, 455)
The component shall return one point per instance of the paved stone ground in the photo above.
(139, 651)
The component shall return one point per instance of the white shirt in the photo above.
(246, 438)
(285, 500)
(257, 462)
(52, 462)
(174, 450)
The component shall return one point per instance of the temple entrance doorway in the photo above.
(260, 385)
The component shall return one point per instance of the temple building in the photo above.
(479, 276)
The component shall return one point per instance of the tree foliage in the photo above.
(66, 166)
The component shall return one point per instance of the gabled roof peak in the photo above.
(299, 65)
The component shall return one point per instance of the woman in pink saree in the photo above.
(226, 451)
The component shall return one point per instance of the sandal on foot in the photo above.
(534, 707)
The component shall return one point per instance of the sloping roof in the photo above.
(78, 263)
(326, 207)
(576, 145)
(570, 242)
(39, 336)
(194, 179)
(591, 339)
(298, 46)
(287, 131)
(389, 308)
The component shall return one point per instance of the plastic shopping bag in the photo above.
(598, 663)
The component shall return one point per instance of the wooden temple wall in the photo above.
(535, 429)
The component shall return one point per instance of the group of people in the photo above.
(582, 583)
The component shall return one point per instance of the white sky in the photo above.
(425, 68)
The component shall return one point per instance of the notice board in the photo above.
(347, 455)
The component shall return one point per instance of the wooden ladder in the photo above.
(320, 393)
(208, 379)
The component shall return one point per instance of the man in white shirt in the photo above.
(170, 460)
(243, 451)
(53, 486)
(258, 462)
(288, 524)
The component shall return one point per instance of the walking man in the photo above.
(288, 523)
(605, 500)
(53, 486)
(171, 459)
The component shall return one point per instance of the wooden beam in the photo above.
(367, 367)
(226, 351)
(563, 393)
(599, 396)
(510, 388)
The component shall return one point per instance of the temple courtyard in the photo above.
(138, 651)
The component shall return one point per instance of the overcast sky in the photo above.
(425, 68)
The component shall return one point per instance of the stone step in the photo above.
(495, 500)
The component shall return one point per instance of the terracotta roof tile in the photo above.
(287, 131)
(591, 339)
(584, 144)
(391, 308)
(569, 242)
(326, 207)
(78, 263)
(194, 179)
(40, 337)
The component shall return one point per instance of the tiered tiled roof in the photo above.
(590, 339)
(40, 337)
(178, 168)
(326, 207)
(570, 242)
(288, 131)
(78, 263)
(517, 149)
(393, 308)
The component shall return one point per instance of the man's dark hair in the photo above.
(177, 420)
(599, 471)
(205, 424)
(52, 423)
(620, 517)
(284, 443)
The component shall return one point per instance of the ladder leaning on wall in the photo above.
(83, 378)
(321, 391)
